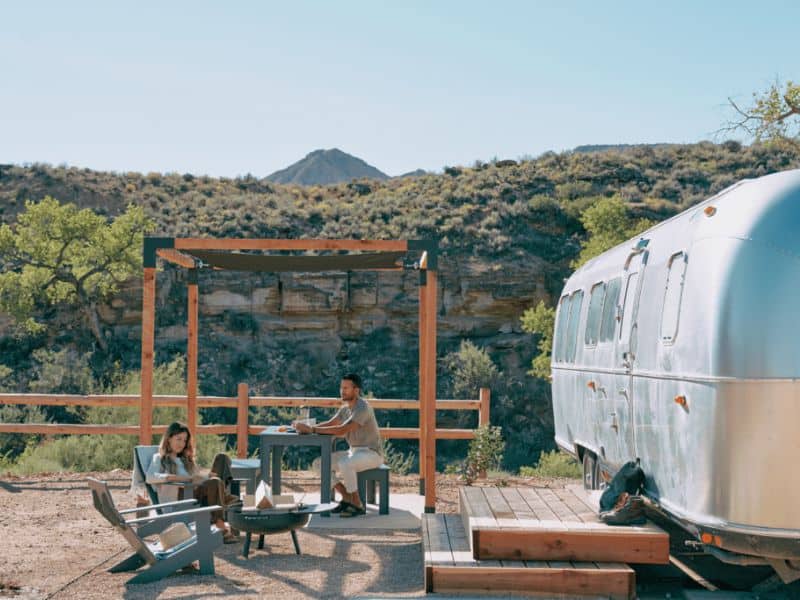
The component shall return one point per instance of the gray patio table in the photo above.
(273, 442)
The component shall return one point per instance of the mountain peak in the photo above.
(322, 167)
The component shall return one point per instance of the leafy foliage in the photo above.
(553, 464)
(485, 452)
(61, 255)
(471, 368)
(608, 224)
(773, 116)
(540, 321)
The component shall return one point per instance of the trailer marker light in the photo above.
(706, 538)
(709, 211)
(717, 541)
(591, 385)
(681, 400)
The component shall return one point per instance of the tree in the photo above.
(60, 256)
(541, 320)
(607, 222)
(773, 116)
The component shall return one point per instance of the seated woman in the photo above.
(174, 462)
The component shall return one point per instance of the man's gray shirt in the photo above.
(366, 436)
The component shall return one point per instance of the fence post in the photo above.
(483, 415)
(242, 419)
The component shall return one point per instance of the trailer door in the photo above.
(620, 420)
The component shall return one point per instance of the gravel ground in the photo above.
(54, 544)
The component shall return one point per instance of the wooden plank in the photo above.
(560, 545)
(517, 503)
(439, 541)
(191, 355)
(554, 503)
(617, 583)
(175, 257)
(423, 364)
(427, 556)
(459, 544)
(497, 503)
(538, 505)
(148, 355)
(583, 513)
(286, 244)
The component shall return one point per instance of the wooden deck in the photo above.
(451, 568)
(543, 524)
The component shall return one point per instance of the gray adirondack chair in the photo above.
(160, 563)
(142, 457)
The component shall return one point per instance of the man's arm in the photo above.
(337, 429)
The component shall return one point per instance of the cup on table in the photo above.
(310, 421)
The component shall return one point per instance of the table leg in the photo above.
(265, 450)
(277, 456)
(325, 475)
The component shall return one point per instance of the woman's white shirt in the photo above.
(157, 477)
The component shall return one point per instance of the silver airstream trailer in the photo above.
(682, 348)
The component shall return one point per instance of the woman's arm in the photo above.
(155, 475)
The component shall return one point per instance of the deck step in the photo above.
(451, 568)
(551, 525)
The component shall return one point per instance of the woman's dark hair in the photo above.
(186, 455)
(354, 378)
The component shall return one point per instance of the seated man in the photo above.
(355, 420)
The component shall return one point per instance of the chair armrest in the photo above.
(185, 503)
(194, 512)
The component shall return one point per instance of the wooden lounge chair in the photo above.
(142, 457)
(160, 563)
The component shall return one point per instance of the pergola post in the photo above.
(429, 394)
(191, 353)
(422, 365)
(148, 350)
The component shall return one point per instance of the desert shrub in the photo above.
(399, 462)
(553, 464)
(485, 453)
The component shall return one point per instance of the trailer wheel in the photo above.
(591, 472)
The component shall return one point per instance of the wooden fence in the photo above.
(241, 402)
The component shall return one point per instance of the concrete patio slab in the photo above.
(405, 511)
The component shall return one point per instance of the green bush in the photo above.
(399, 462)
(553, 464)
(485, 452)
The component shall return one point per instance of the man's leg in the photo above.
(336, 457)
(350, 465)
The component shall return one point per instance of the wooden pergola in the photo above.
(249, 255)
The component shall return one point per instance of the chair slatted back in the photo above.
(104, 503)
(142, 457)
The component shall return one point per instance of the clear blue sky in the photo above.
(228, 88)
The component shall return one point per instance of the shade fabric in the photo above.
(235, 261)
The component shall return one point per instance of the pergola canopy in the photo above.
(237, 261)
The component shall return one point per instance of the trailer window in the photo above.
(627, 306)
(572, 325)
(676, 273)
(610, 310)
(596, 297)
(561, 327)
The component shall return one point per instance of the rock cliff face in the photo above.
(312, 321)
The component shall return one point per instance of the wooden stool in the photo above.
(366, 487)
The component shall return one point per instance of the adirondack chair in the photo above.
(160, 563)
(142, 457)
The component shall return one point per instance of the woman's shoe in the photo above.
(228, 537)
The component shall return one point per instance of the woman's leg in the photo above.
(209, 493)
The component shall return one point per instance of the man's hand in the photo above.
(301, 427)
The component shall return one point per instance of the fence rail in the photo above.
(242, 402)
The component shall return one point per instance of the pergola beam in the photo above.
(244, 244)
(176, 257)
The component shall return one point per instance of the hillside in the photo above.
(508, 233)
(323, 167)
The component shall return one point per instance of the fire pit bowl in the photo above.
(267, 522)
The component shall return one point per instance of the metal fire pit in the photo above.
(267, 522)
